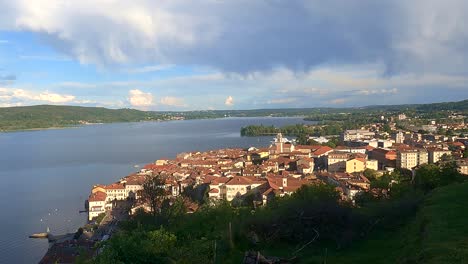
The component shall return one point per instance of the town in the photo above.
(284, 166)
(255, 177)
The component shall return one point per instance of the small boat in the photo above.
(39, 235)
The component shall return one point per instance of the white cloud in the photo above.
(139, 98)
(148, 69)
(378, 91)
(338, 101)
(54, 97)
(427, 36)
(13, 95)
(229, 101)
(282, 101)
(173, 101)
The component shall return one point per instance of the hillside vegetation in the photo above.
(46, 116)
(421, 222)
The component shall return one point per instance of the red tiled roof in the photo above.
(243, 180)
(97, 197)
(220, 180)
(214, 191)
(114, 186)
(322, 150)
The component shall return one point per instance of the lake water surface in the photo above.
(47, 175)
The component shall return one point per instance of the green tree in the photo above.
(370, 174)
(427, 177)
(386, 128)
(154, 193)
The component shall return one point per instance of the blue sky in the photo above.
(186, 55)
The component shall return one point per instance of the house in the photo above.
(115, 191)
(133, 186)
(305, 165)
(218, 188)
(463, 166)
(410, 158)
(355, 165)
(96, 204)
(240, 185)
(435, 154)
(357, 134)
(279, 186)
(384, 157)
(336, 161)
(360, 164)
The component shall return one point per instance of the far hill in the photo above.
(47, 116)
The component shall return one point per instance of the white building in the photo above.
(115, 191)
(463, 166)
(97, 204)
(240, 185)
(408, 159)
(436, 154)
(357, 134)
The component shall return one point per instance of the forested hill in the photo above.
(47, 116)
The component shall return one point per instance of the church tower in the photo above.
(279, 143)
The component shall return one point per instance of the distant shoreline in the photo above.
(143, 121)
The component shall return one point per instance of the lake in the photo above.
(47, 175)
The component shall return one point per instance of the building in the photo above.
(115, 191)
(218, 188)
(282, 145)
(355, 165)
(305, 165)
(133, 186)
(237, 186)
(360, 164)
(399, 137)
(336, 161)
(96, 204)
(384, 157)
(381, 143)
(357, 134)
(463, 166)
(435, 154)
(372, 164)
(410, 158)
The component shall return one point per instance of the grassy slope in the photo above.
(437, 234)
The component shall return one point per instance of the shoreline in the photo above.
(142, 121)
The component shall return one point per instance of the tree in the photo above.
(386, 128)
(154, 192)
(427, 177)
(302, 139)
(171, 210)
(370, 174)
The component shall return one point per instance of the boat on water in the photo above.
(39, 235)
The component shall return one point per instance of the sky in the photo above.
(237, 54)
